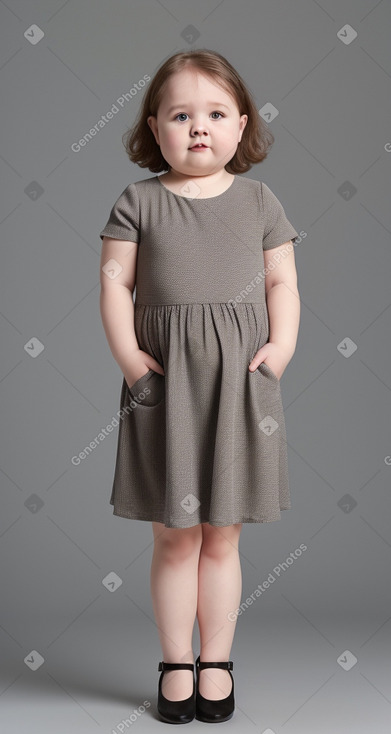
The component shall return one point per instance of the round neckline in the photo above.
(205, 198)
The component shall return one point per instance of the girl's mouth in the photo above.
(199, 147)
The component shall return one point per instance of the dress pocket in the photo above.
(148, 391)
(265, 369)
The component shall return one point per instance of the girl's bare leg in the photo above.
(174, 588)
(219, 593)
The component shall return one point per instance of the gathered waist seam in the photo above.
(203, 303)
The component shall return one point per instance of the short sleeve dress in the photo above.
(206, 441)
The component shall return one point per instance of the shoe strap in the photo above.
(226, 665)
(175, 666)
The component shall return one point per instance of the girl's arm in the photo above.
(117, 279)
(283, 304)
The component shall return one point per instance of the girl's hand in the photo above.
(274, 356)
(141, 363)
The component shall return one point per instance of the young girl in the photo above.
(202, 443)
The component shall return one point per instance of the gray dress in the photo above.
(206, 441)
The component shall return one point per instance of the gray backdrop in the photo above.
(79, 645)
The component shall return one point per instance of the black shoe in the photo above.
(207, 709)
(176, 712)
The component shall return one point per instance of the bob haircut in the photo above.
(139, 140)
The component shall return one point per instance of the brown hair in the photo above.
(139, 140)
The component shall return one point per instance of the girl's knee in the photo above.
(220, 541)
(177, 543)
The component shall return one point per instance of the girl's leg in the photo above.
(219, 593)
(174, 586)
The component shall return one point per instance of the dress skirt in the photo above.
(206, 442)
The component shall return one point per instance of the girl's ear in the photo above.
(152, 122)
(243, 123)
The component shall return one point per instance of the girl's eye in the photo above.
(185, 113)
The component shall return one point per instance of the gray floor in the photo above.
(286, 670)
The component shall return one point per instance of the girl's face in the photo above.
(194, 109)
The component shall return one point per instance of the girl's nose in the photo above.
(199, 129)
